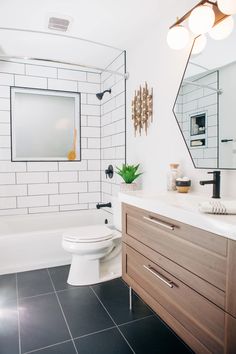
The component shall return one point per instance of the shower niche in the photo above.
(198, 124)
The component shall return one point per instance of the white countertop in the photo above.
(183, 208)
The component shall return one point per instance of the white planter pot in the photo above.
(128, 187)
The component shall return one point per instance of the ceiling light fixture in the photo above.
(201, 19)
(223, 29)
(228, 7)
(178, 37)
(205, 17)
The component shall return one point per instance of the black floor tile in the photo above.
(41, 322)
(34, 282)
(63, 348)
(83, 311)
(115, 297)
(107, 342)
(152, 336)
(59, 277)
(9, 343)
(7, 288)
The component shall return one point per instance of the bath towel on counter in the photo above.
(218, 207)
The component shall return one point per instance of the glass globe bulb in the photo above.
(228, 7)
(201, 19)
(178, 37)
(223, 29)
(199, 44)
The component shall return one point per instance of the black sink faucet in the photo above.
(216, 183)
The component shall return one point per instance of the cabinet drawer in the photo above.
(198, 251)
(199, 316)
(198, 284)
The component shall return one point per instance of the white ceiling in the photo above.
(118, 23)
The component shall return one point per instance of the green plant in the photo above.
(128, 172)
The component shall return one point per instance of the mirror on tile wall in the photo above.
(45, 125)
(205, 107)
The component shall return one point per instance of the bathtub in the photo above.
(30, 242)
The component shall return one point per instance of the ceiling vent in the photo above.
(58, 24)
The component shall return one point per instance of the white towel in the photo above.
(218, 207)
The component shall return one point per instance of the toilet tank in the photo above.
(116, 207)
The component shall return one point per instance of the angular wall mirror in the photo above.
(45, 125)
(205, 107)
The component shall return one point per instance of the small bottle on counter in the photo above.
(173, 174)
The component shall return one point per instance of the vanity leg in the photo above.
(130, 299)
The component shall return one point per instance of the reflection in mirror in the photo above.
(205, 107)
(44, 123)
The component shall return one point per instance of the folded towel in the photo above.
(218, 207)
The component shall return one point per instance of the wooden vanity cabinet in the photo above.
(186, 275)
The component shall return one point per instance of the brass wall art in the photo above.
(142, 109)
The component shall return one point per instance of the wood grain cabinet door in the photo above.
(202, 318)
(202, 253)
(187, 275)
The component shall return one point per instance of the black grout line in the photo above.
(18, 314)
(111, 318)
(62, 311)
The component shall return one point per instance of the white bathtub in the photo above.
(30, 242)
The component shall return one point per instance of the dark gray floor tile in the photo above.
(83, 311)
(41, 322)
(9, 343)
(63, 348)
(107, 342)
(7, 287)
(59, 277)
(115, 297)
(34, 282)
(152, 336)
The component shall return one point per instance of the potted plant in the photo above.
(129, 173)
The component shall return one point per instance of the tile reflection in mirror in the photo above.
(205, 106)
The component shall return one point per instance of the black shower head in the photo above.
(100, 94)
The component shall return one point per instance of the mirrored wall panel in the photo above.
(45, 125)
(205, 107)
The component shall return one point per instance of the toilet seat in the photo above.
(89, 234)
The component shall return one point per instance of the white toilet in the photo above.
(96, 251)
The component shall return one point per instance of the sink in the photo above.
(183, 208)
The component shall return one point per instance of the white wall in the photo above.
(151, 60)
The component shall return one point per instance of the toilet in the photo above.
(96, 251)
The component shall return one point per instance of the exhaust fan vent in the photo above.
(58, 24)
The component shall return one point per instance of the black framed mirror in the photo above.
(205, 106)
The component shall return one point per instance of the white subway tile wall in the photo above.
(112, 126)
(193, 100)
(45, 187)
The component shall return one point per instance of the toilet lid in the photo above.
(93, 233)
